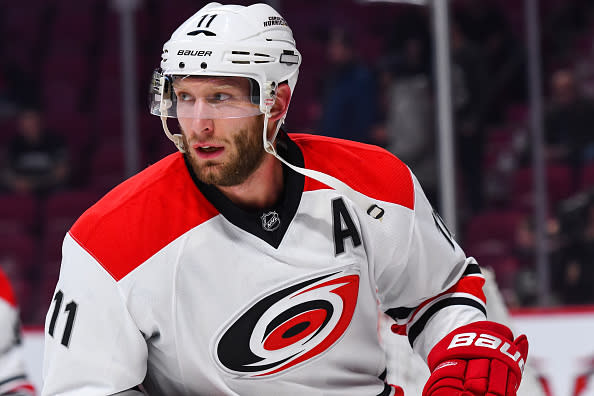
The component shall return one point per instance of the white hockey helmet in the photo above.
(228, 40)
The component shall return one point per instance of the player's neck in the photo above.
(261, 189)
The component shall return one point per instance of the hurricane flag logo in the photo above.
(288, 327)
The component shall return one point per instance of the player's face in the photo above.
(222, 151)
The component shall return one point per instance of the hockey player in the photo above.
(255, 262)
(13, 379)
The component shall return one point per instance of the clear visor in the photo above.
(202, 97)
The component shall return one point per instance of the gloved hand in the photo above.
(478, 359)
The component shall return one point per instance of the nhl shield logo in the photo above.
(270, 221)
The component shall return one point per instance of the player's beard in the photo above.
(245, 154)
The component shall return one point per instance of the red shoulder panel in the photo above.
(368, 169)
(6, 292)
(141, 216)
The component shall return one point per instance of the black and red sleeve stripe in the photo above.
(466, 293)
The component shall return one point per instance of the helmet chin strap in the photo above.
(359, 199)
(177, 138)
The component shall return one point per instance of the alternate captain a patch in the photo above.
(288, 326)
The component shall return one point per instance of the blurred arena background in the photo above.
(72, 127)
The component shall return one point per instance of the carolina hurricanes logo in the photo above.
(287, 327)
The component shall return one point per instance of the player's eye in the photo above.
(219, 97)
(184, 97)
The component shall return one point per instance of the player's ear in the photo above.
(281, 104)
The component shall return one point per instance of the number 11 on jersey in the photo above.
(70, 309)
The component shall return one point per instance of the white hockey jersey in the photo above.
(13, 378)
(165, 283)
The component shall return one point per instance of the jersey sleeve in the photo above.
(13, 377)
(426, 283)
(92, 344)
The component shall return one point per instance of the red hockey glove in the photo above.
(479, 359)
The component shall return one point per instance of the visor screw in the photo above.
(182, 65)
(203, 65)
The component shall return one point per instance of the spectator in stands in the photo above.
(485, 23)
(565, 21)
(524, 250)
(569, 122)
(36, 159)
(349, 105)
(409, 34)
(409, 129)
(574, 271)
(469, 79)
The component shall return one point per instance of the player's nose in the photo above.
(202, 120)
(201, 126)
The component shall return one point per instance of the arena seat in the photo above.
(559, 180)
(587, 177)
(18, 214)
(17, 255)
(63, 208)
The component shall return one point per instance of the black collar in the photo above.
(268, 224)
